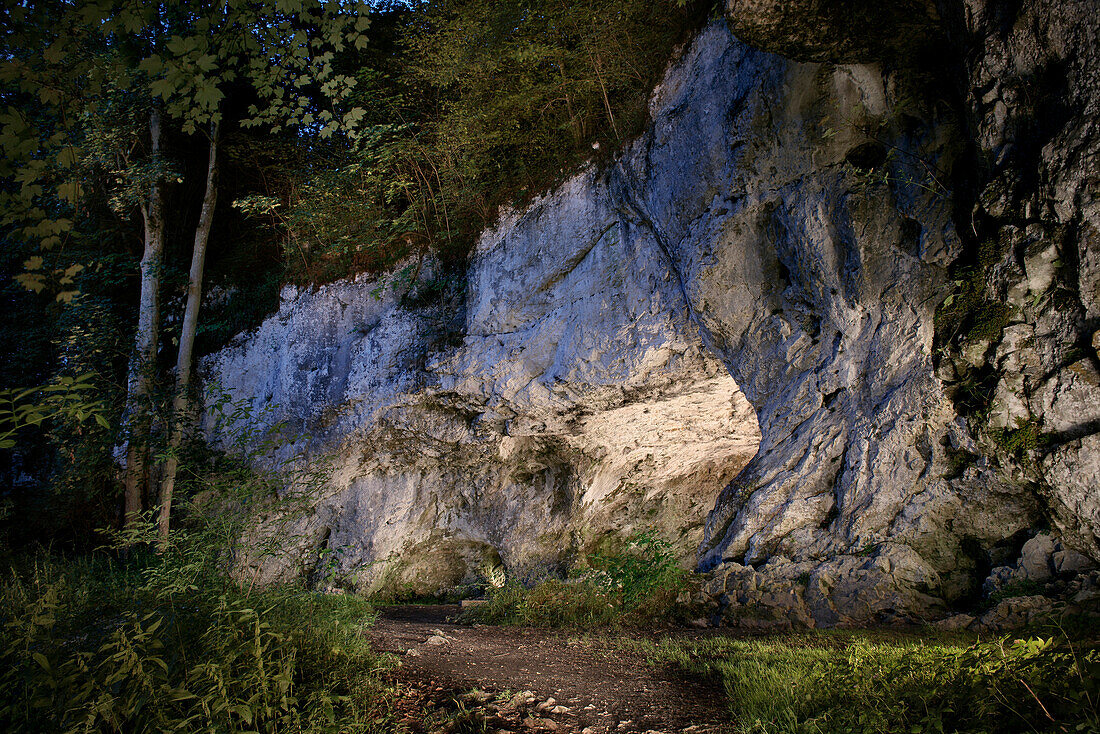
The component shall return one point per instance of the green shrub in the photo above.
(1025, 437)
(637, 581)
(549, 603)
(468, 106)
(642, 568)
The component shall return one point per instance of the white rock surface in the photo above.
(581, 401)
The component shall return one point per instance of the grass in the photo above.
(141, 637)
(860, 682)
(95, 644)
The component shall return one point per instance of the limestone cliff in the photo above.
(770, 313)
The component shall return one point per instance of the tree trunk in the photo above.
(143, 360)
(187, 337)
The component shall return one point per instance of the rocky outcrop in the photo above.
(574, 402)
(849, 32)
(1034, 98)
(764, 309)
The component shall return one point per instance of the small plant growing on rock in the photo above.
(1019, 441)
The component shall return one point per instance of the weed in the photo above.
(1019, 441)
(85, 648)
(643, 566)
(549, 603)
(867, 551)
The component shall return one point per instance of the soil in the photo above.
(516, 679)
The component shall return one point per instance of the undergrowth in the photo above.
(180, 635)
(859, 683)
(634, 582)
(148, 636)
(88, 646)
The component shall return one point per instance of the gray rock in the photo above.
(1049, 192)
(1071, 562)
(1089, 597)
(954, 623)
(1072, 471)
(844, 591)
(1009, 408)
(999, 578)
(1070, 400)
(1036, 558)
(1041, 268)
(1016, 612)
(735, 316)
(521, 700)
(857, 31)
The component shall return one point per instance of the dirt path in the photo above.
(507, 676)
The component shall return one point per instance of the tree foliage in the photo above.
(106, 117)
(467, 106)
(78, 108)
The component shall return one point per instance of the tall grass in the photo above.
(856, 683)
(150, 636)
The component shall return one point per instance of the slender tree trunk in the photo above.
(187, 337)
(143, 360)
(597, 63)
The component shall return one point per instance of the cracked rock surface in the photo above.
(729, 334)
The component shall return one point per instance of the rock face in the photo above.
(1035, 103)
(580, 402)
(1019, 366)
(854, 31)
(736, 321)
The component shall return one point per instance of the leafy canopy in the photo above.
(77, 109)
